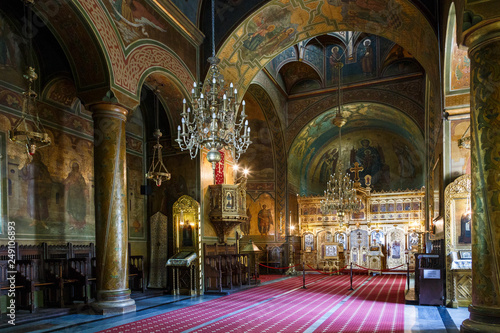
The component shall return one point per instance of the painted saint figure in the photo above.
(396, 250)
(187, 234)
(255, 39)
(39, 190)
(76, 196)
(465, 228)
(367, 60)
(265, 220)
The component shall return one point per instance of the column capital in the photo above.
(482, 33)
(108, 109)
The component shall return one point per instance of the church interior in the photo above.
(237, 166)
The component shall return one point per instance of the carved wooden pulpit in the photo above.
(227, 208)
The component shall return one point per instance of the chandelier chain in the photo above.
(213, 28)
(213, 120)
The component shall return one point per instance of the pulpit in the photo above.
(186, 262)
(227, 208)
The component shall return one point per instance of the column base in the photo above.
(113, 302)
(482, 320)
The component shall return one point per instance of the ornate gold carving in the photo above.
(459, 189)
(227, 208)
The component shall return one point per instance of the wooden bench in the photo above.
(224, 267)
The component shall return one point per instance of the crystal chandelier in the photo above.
(214, 123)
(340, 194)
(28, 130)
(157, 171)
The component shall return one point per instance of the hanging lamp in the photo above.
(157, 171)
(28, 130)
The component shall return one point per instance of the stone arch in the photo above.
(171, 92)
(396, 20)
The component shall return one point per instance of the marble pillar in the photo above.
(113, 294)
(484, 53)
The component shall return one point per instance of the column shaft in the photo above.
(113, 294)
(485, 150)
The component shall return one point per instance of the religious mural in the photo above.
(357, 52)
(133, 19)
(390, 151)
(264, 37)
(51, 194)
(462, 221)
(459, 71)
(261, 215)
(259, 155)
(12, 61)
(136, 201)
(313, 18)
(460, 157)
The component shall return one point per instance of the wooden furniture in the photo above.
(136, 272)
(429, 275)
(224, 268)
(59, 274)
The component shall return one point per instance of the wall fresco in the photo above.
(12, 61)
(459, 67)
(136, 201)
(460, 157)
(395, 142)
(262, 217)
(51, 195)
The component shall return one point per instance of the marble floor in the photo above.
(417, 318)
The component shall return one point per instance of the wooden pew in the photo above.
(32, 275)
(213, 273)
(224, 267)
(136, 272)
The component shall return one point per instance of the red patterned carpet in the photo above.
(269, 277)
(376, 305)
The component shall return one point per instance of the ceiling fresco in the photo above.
(395, 132)
(364, 57)
(280, 24)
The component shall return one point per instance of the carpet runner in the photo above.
(326, 305)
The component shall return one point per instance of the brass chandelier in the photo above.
(214, 122)
(157, 171)
(28, 130)
(340, 195)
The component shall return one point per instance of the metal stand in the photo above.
(303, 275)
(408, 275)
(291, 270)
(351, 278)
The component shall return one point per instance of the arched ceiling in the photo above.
(320, 135)
(397, 20)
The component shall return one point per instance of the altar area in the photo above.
(384, 234)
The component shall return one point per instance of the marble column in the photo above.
(113, 294)
(484, 53)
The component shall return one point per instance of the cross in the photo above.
(357, 168)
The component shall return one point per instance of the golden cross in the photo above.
(357, 168)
